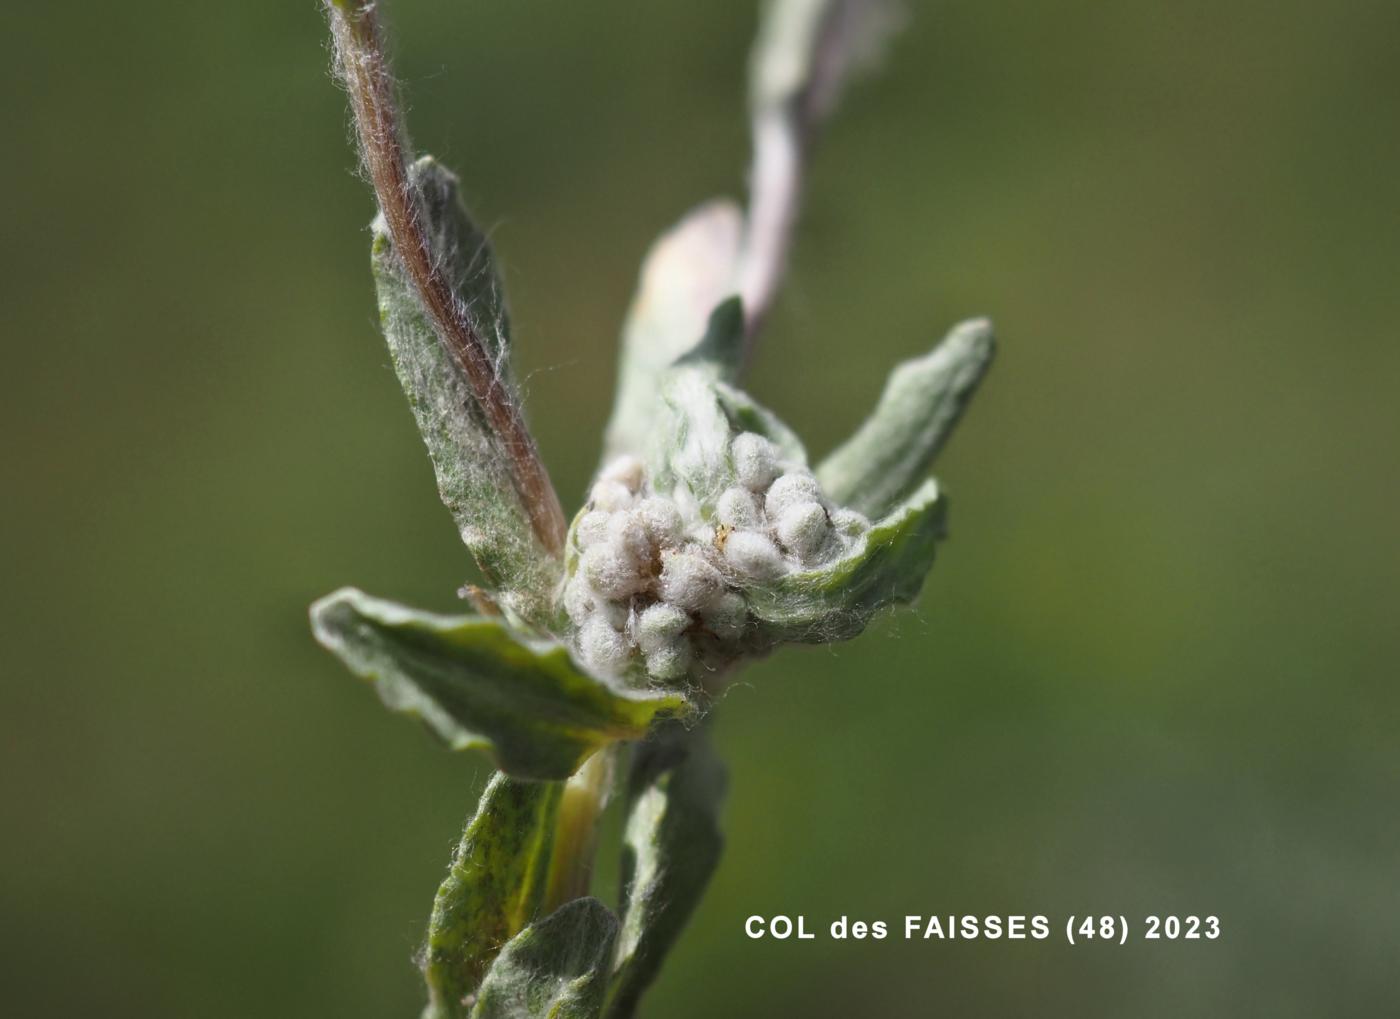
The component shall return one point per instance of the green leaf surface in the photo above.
(671, 846)
(921, 403)
(478, 684)
(836, 601)
(494, 887)
(687, 273)
(720, 351)
(472, 466)
(554, 969)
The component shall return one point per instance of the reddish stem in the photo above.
(356, 30)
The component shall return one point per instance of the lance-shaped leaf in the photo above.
(494, 887)
(688, 271)
(836, 601)
(554, 969)
(671, 846)
(473, 467)
(923, 399)
(479, 684)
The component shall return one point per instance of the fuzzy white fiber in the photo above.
(662, 577)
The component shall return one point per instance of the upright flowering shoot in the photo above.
(708, 537)
(717, 540)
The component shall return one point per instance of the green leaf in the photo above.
(686, 274)
(554, 969)
(472, 466)
(494, 887)
(923, 399)
(479, 684)
(836, 601)
(720, 352)
(671, 846)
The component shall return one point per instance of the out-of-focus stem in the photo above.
(359, 48)
(775, 184)
(805, 52)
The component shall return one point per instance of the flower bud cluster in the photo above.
(660, 578)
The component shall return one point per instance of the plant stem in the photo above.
(586, 795)
(355, 28)
(805, 53)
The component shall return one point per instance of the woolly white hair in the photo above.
(737, 507)
(661, 520)
(659, 625)
(612, 570)
(603, 648)
(803, 529)
(628, 532)
(726, 616)
(670, 661)
(756, 460)
(661, 579)
(849, 523)
(610, 496)
(592, 528)
(754, 556)
(789, 490)
(690, 582)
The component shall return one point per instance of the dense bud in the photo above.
(603, 648)
(690, 582)
(661, 582)
(612, 570)
(790, 490)
(754, 556)
(803, 529)
(755, 460)
(738, 508)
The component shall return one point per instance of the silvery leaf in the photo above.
(473, 469)
(494, 887)
(556, 968)
(893, 450)
(479, 684)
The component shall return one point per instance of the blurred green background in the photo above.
(1154, 671)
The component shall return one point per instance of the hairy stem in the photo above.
(359, 49)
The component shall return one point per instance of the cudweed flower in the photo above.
(708, 538)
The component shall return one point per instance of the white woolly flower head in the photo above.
(661, 579)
